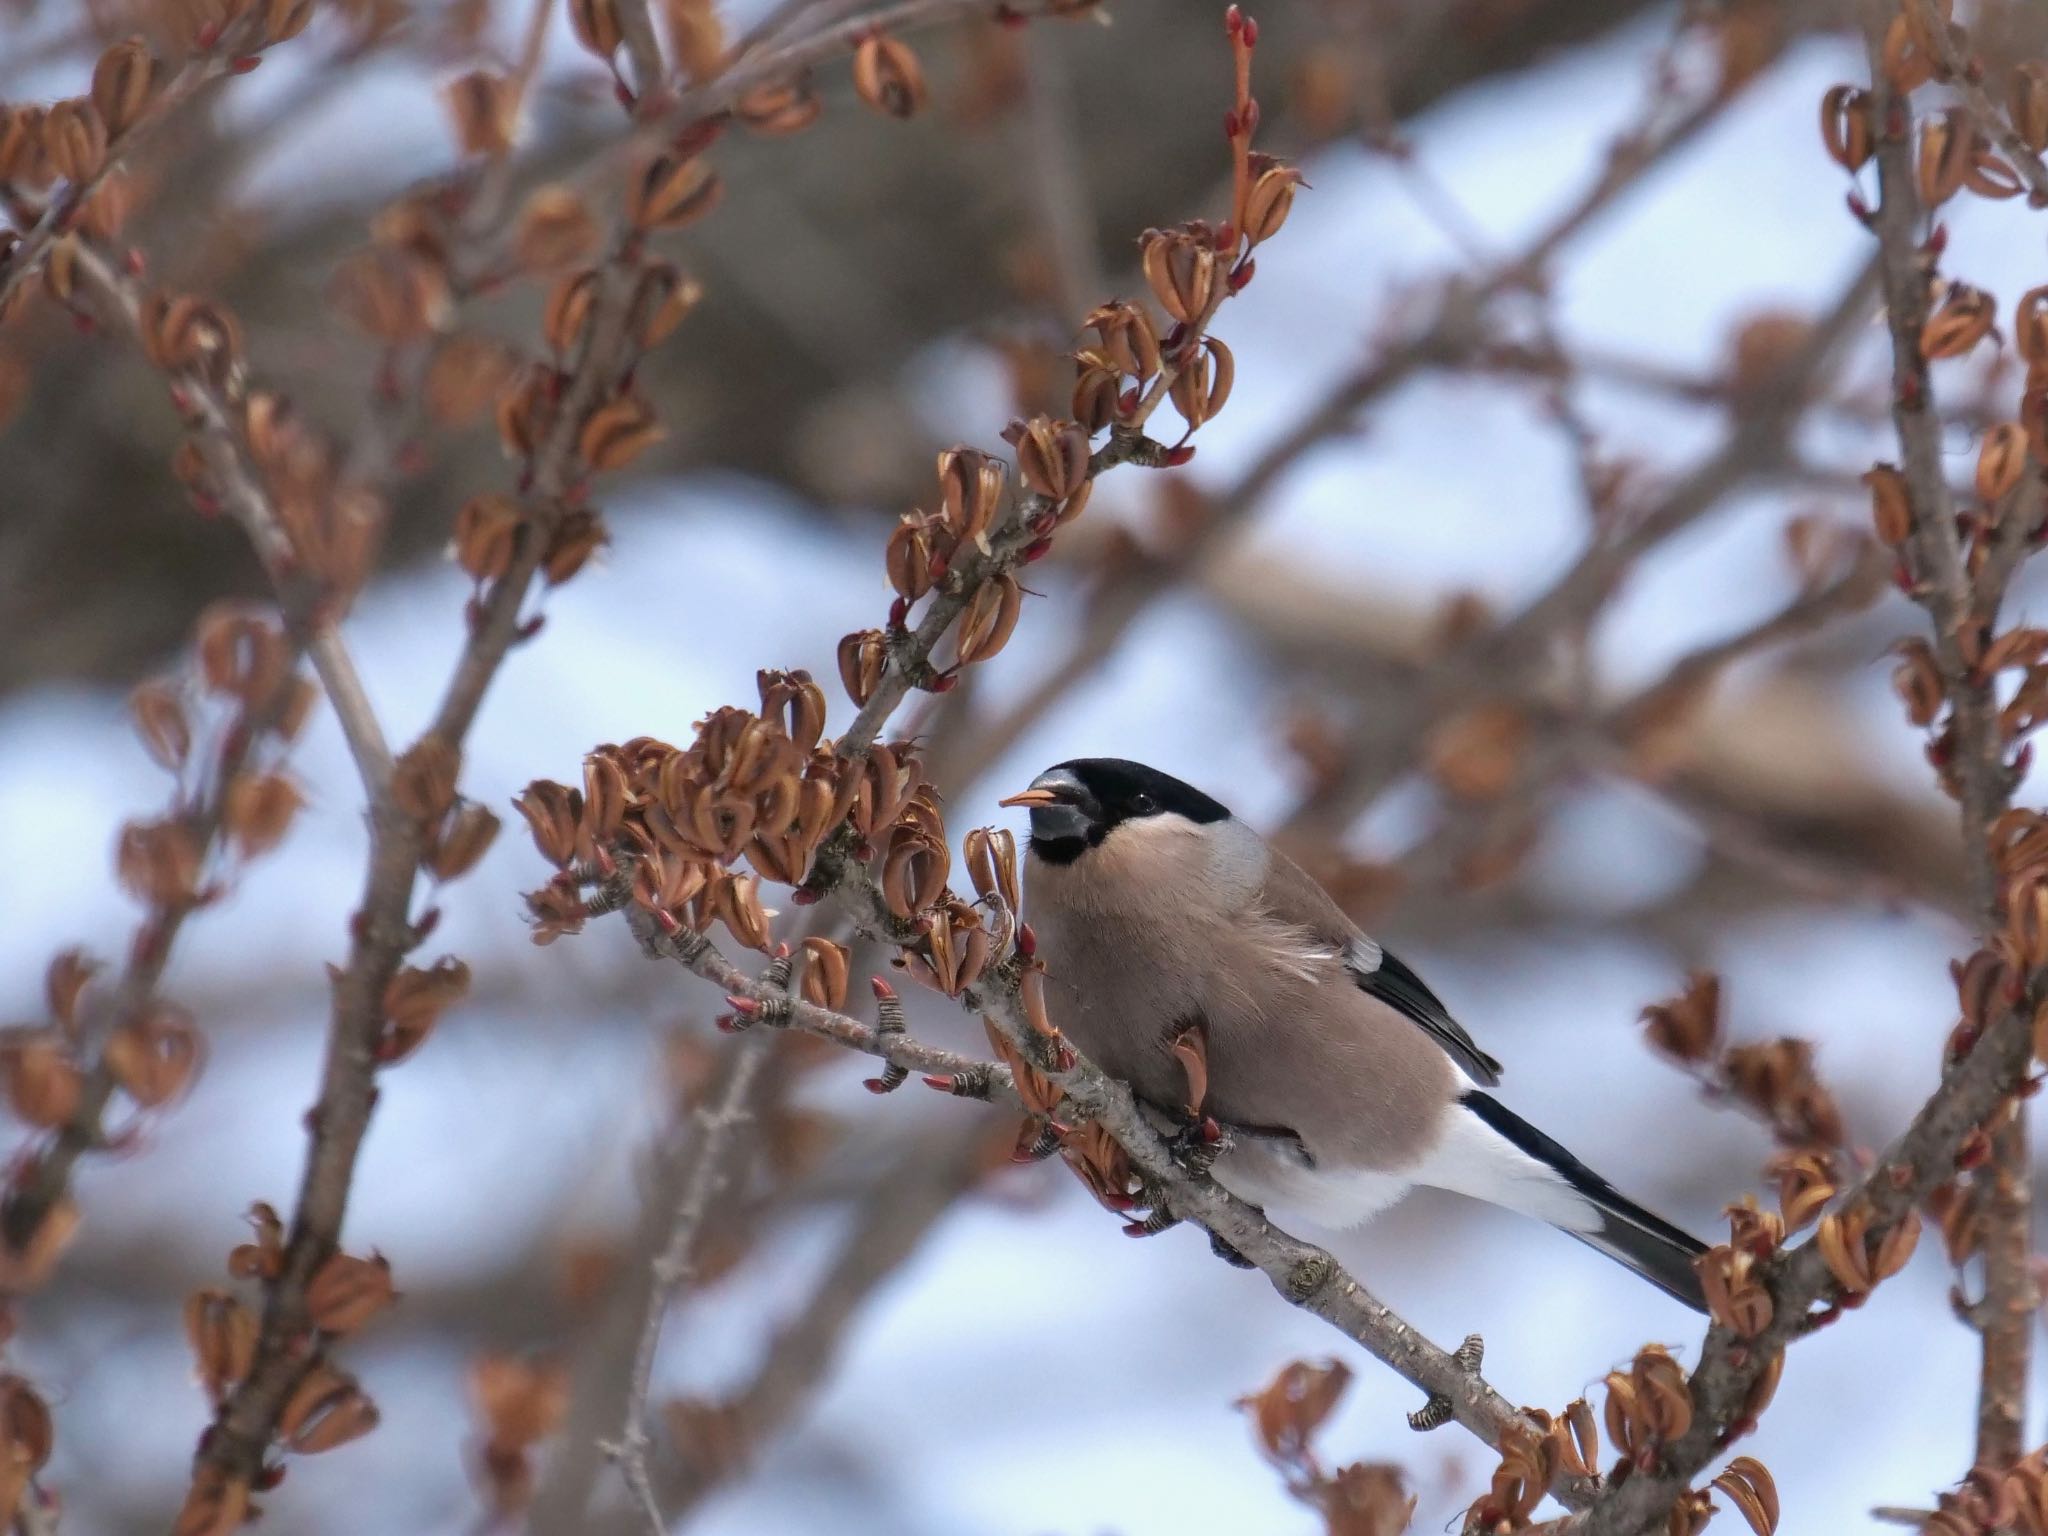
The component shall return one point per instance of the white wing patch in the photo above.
(1363, 955)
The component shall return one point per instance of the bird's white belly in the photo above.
(1286, 1188)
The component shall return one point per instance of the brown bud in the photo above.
(1098, 392)
(907, 557)
(1845, 126)
(670, 193)
(1918, 683)
(123, 81)
(182, 333)
(263, 1258)
(1129, 343)
(484, 107)
(1891, 508)
(887, 76)
(618, 432)
(1746, 1483)
(596, 24)
(259, 810)
(346, 1292)
(565, 318)
(1948, 148)
(75, 139)
(556, 230)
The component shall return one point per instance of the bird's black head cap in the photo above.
(1076, 804)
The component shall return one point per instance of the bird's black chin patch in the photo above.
(1058, 850)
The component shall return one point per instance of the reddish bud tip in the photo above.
(245, 64)
(1027, 941)
(1225, 238)
(1251, 32)
(1175, 457)
(946, 681)
(668, 922)
(1037, 549)
(744, 1005)
(939, 1081)
(1242, 274)
(898, 612)
(135, 262)
(803, 896)
(727, 1024)
(874, 1085)
(883, 991)
(1230, 124)
(1937, 240)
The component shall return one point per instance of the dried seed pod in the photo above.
(258, 811)
(2001, 460)
(1180, 268)
(1907, 65)
(324, 1411)
(1948, 148)
(75, 139)
(826, 970)
(1052, 456)
(483, 105)
(2030, 328)
(1918, 682)
(466, 375)
(346, 1292)
(2027, 101)
(565, 316)
(64, 982)
(914, 873)
(42, 1083)
(970, 490)
(1202, 386)
(576, 537)
(181, 333)
(1129, 344)
(423, 778)
(780, 108)
(662, 300)
(908, 557)
(21, 143)
(990, 619)
(1963, 320)
(1098, 392)
(618, 432)
(262, 1259)
(992, 865)
(222, 1333)
(486, 536)
(1806, 1183)
(671, 192)
(596, 24)
(887, 76)
(863, 659)
(1845, 127)
(159, 712)
(1270, 199)
(1891, 508)
(1748, 1485)
(397, 296)
(414, 1002)
(556, 230)
(158, 862)
(123, 81)
(526, 410)
(1688, 1027)
(794, 701)
(154, 1057)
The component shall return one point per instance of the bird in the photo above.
(1340, 1077)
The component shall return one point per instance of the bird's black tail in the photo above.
(1606, 1219)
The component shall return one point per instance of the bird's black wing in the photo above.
(1402, 990)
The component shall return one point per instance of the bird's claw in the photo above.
(1438, 1411)
(1198, 1143)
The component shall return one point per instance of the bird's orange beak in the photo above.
(1032, 797)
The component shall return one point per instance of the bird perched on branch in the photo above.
(1341, 1079)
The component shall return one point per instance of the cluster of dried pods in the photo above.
(1359, 1499)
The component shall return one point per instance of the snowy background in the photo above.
(1031, 1370)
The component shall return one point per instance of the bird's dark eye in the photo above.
(1141, 805)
